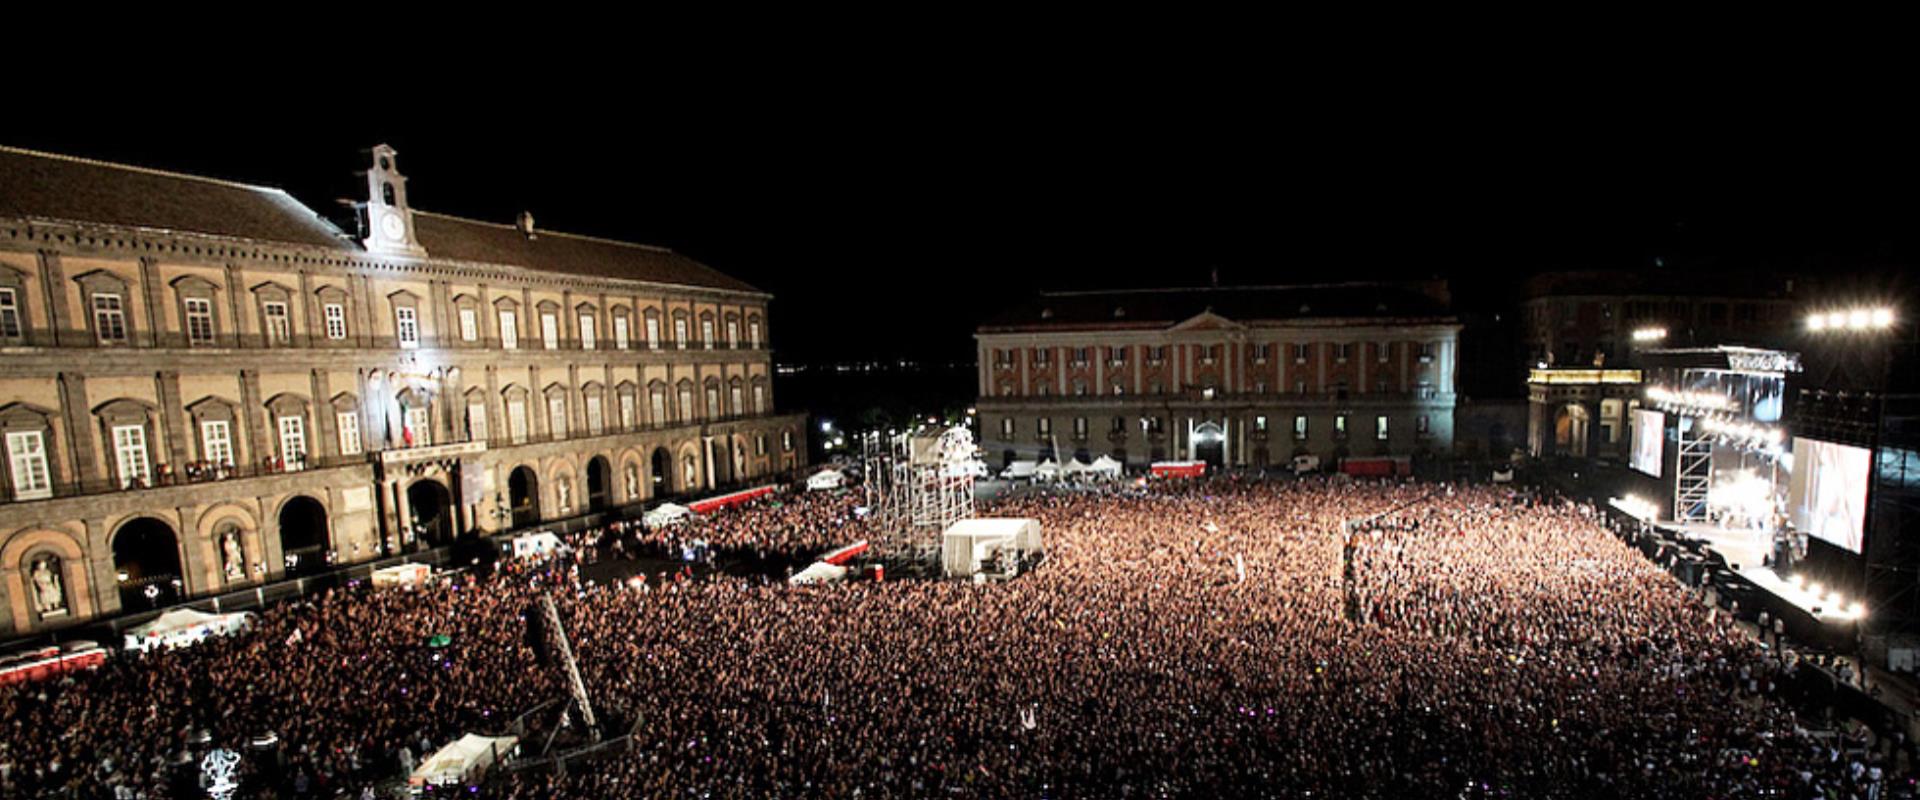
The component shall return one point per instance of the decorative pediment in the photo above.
(211, 407)
(1207, 321)
(100, 280)
(193, 285)
(271, 290)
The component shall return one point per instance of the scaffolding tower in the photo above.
(1694, 471)
(917, 484)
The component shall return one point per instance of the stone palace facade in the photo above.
(1235, 376)
(206, 386)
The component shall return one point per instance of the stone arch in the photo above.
(631, 477)
(688, 473)
(599, 483)
(561, 471)
(431, 511)
(149, 562)
(207, 539)
(523, 495)
(660, 472)
(22, 550)
(306, 533)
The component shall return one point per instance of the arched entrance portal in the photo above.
(303, 535)
(1210, 445)
(662, 472)
(523, 496)
(599, 484)
(432, 511)
(146, 560)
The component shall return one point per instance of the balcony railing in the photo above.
(198, 473)
(139, 340)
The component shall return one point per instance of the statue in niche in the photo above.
(231, 557)
(633, 482)
(565, 488)
(49, 597)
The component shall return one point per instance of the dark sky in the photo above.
(889, 206)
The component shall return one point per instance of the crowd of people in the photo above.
(1215, 637)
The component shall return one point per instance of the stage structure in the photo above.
(917, 483)
(1723, 409)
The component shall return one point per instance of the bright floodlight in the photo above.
(1813, 589)
(1858, 318)
(1858, 609)
(1882, 317)
(1799, 581)
(1837, 319)
(1816, 322)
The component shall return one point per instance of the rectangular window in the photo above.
(759, 399)
(713, 402)
(1380, 427)
(685, 396)
(626, 412)
(1383, 350)
(1260, 424)
(1046, 426)
(469, 325)
(349, 424)
(1300, 353)
(1118, 354)
(595, 423)
(9, 314)
(1420, 425)
(1079, 427)
(509, 330)
(406, 326)
(279, 325)
(550, 331)
(1342, 352)
(199, 320)
(557, 416)
(517, 420)
(680, 333)
(109, 319)
(293, 441)
(657, 406)
(1423, 390)
(753, 335)
(760, 445)
(1299, 426)
(1043, 356)
(706, 333)
(130, 454)
(735, 403)
(653, 333)
(27, 455)
(1259, 354)
(620, 332)
(419, 426)
(336, 315)
(1006, 427)
(476, 422)
(1426, 352)
(216, 441)
(1340, 425)
(786, 441)
(586, 332)
(733, 334)
(1300, 387)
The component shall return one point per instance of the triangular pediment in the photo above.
(1207, 321)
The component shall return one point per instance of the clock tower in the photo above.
(385, 219)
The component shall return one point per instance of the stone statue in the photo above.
(48, 597)
(230, 554)
(633, 482)
(565, 488)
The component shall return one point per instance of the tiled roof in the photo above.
(471, 240)
(47, 186)
(1161, 308)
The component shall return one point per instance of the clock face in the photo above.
(391, 225)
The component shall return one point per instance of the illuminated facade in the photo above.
(1245, 377)
(208, 386)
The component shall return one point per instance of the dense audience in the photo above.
(1218, 638)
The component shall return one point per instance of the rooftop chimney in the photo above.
(525, 223)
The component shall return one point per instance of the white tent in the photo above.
(825, 479)
(1020, 469)
(1106, 467)
(1075, 467)
(666, 514)
(403, 576)
(819, 572)
(1047, 471)
(463, 762)
(184, 626)
(537, 544)
(970, 543)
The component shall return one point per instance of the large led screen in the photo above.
(1828, 493)
(1649, 434)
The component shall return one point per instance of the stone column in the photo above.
(53, 277)
(80, 428)
(173, 415)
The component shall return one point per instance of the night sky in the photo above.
(888, 213)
